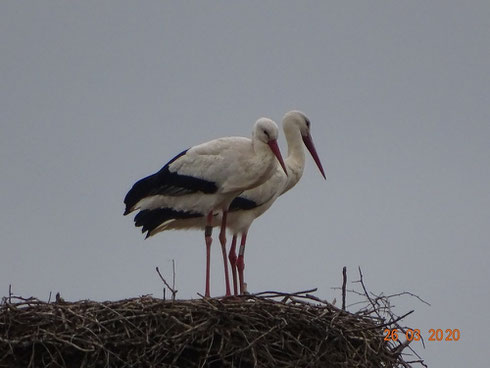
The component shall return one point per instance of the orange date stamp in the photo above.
(392, 334)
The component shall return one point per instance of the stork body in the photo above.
(204, 180)
(250, 204)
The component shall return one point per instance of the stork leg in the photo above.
(207, 236)
(222, 239)
(241, 264)
(232, 257)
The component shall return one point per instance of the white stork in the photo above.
(254, 202)
(205, 179)
(251, 203)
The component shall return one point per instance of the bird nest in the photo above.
(269, 329)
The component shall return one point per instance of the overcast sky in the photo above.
(95, 95)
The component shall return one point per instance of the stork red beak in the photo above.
(308, 141)
(275, 149)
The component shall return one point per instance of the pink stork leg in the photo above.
(241, 264)
(207, 236)
(232, 258)
(222, 239)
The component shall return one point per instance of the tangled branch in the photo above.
(268, 329)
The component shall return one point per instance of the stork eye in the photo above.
(308, 123)
(266, 133)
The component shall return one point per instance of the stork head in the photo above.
(302, 123)
(266, 131)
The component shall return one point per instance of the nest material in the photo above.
(298, 330)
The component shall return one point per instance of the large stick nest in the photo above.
(263, 330)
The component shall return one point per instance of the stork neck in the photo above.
(260, 148)
(295, 161)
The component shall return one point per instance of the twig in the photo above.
(344, 282)
(166, 283)
(173, 274)
(367, 294)
(409, 293)
(277, 294)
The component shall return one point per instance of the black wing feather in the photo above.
(149, 220)
(167, 183)
(241, 203)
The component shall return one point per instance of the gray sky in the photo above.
(95, 95)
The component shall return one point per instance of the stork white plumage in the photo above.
(205, 179)
(254, 202)
(250, 204)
